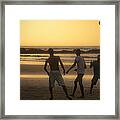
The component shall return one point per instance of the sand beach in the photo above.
(34, 84)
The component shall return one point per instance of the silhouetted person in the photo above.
(96, 69)
(54, 73)
(79, 61)
(99, 22)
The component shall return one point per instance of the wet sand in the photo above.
(37, 88)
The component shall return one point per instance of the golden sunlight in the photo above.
(59, 33)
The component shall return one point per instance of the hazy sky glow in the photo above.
(59, 33)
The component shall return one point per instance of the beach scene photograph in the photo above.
(60, 60)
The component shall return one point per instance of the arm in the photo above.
(62, 66)
(45, 67)
(74, 64)
(91, 64)
(85, 65)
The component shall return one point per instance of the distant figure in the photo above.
(99, 22)
(96, 69)
(54, 73)
(79, 61)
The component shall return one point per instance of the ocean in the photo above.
(32, 62)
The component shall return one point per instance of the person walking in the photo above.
(54, 74)
(80, 63)
(96, 69)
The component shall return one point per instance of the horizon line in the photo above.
(63, 46)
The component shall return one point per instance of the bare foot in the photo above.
(51, 98)
(69, 97)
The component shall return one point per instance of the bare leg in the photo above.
(75, 86)
(65, 90)
(91, 88)
(94, 81)
(51, 93)
(81, 85)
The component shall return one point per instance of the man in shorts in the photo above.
(54, 73)
(79, 61)
(96, 69)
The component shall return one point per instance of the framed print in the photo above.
(60, 59)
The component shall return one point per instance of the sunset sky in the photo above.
(59, 33)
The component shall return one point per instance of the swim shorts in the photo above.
(55, 75)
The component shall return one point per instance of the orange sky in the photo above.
(59, 33)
